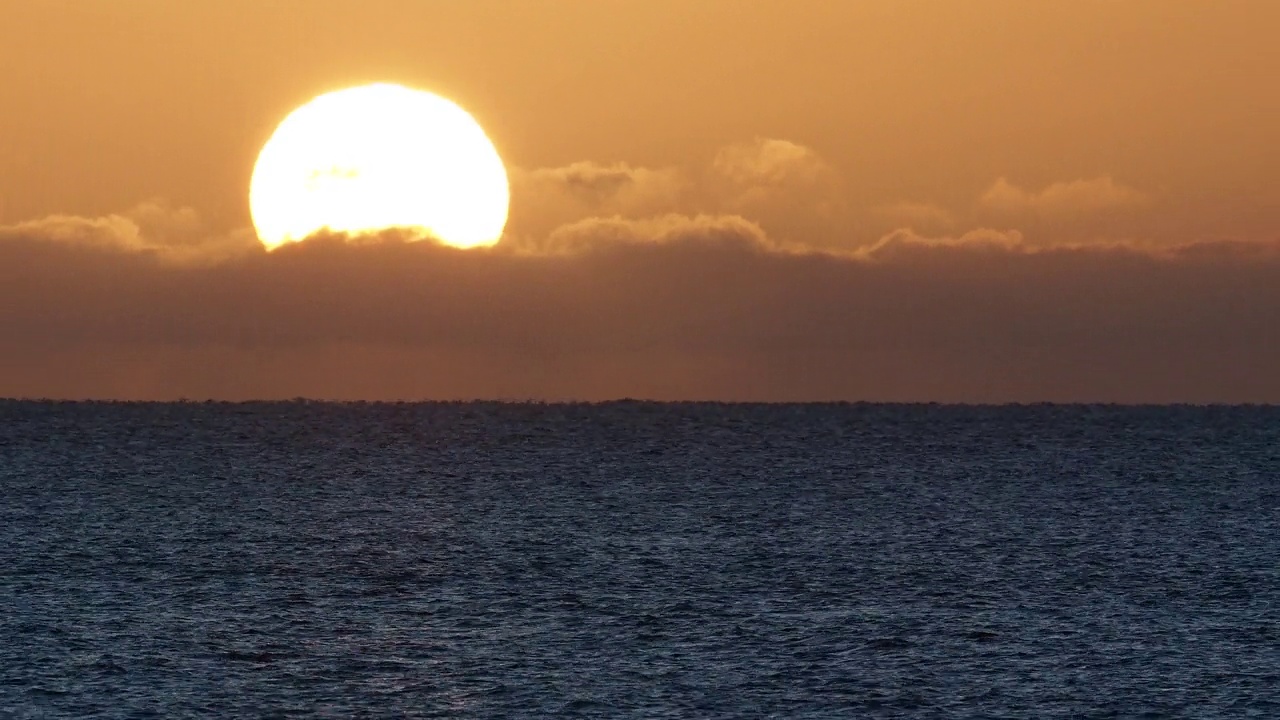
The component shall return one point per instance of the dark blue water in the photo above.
(638, 560)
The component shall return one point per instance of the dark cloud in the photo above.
(594, 180)
(672, 307)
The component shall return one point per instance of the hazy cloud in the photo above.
(788, 188)
(596, 182)
(546, 198)
(599, 186)
(176, 235)
(768, 171)
(922, 216)
(1100, 211)
(783, 186)
(1063, 198)
(771, 163)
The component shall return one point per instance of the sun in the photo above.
(378, 157)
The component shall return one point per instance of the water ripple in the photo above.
(633, 559)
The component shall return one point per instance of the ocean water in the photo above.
(638, 560)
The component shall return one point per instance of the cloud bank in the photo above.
(751, 277)
(674, 306)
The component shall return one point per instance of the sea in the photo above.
(638, 560)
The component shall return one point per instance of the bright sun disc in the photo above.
(377, 157)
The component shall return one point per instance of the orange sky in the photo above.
(982, 200)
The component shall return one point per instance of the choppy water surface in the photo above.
(638, 560)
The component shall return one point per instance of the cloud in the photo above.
(594, 234)
(596, 182)
(787, 187)
(906, 243)
(916, 215)
(769, 173)
(767, 163)
(599, 187)
(674, 307)
(1078, 197)
(176, 235)
(545, 198)
(783, 186)
(1100, 211)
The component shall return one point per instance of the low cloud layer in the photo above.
(673, 306)
(754, 276)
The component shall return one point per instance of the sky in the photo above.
(884, 200)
